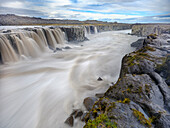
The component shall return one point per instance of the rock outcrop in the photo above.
(74, 34)
(146, 29)
(141, 96)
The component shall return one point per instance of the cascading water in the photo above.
(7, 52)
(42, 92)
(95, 30)
(28, 44)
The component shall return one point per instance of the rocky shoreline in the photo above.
(141, 96)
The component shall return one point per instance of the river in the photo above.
(42, 92)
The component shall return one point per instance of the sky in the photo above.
(124, 11)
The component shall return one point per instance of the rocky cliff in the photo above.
(146, 29)
(141, 96)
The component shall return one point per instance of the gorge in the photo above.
(47, 72)
(40, 85)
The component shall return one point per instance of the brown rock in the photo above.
(88, 102)
(70, 121)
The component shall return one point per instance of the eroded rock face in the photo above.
(141, 96)
(146, 29)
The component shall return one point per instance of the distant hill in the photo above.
(11, 19)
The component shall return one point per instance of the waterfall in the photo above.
(91, 30)
(58, 35)
(42, 36)
(85, 31)
(50, 38)
(95, 30)
(7, 52)
(29, 44)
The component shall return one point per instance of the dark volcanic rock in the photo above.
(67, 47)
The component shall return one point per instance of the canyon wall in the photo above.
(113, 27)
(146, 29)
(74, 34)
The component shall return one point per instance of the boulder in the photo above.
(88, 102)
(138, 44)
(99, 79)
(70, 121)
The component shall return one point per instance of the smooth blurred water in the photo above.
(42, 92)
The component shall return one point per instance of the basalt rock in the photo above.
(141, 96)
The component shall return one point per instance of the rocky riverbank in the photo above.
(141, 96)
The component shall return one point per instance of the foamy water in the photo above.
(42, 92)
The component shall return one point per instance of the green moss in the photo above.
(125, 101)
(150, 48)
(152, 36)
(142, 118)
(101, 121)
(147, 88)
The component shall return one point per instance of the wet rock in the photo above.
(88, 102)
(58, 49)
(99, 95)
(70, 121)
(67, 47)
(7, 31)
(79, 113)
(99, 79)
(82, 118)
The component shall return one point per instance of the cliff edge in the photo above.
(141, 96)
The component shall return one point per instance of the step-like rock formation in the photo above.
(141, 96)
(74, 34)
(146, 29)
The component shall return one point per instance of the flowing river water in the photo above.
(42, 92)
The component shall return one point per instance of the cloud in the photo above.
(148, 19)
(111, 10)
(22, 12)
